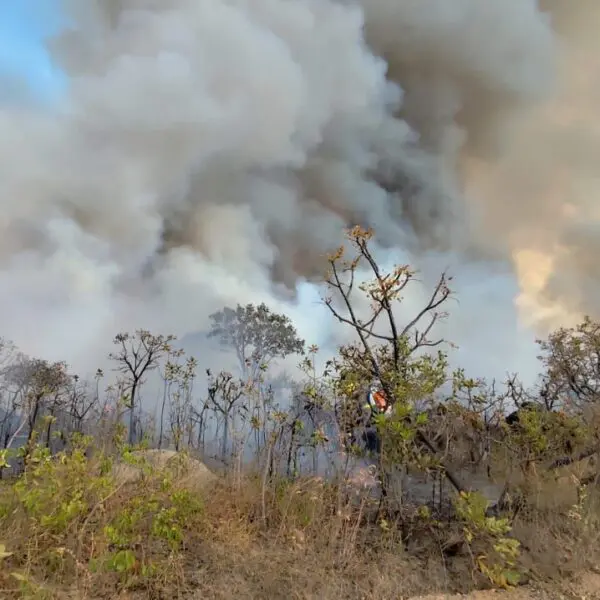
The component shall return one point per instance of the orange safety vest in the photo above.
(378, 399)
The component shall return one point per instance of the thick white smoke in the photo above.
(209, 152)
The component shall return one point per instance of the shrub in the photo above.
(69, 520)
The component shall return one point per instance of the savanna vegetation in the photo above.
(476, 483)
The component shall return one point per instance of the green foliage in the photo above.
(121, 561)
(496, 554)
(545, 435)
(63, 502)
(413, 386)
(161, 517)
(57, 491)
(4, 455)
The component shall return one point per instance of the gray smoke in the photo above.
(210, 151)
(541, 197)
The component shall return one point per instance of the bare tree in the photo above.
(180, 401)
(55, 403)
(9, 411)
(11, 385)
(81, 401)
(389, 354)
(199, 417)
(137, 355)
(168, 375)
(224, 393)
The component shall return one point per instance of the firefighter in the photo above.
(376, 404)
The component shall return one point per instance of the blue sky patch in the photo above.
(26, 70)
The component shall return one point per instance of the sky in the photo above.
(26, 71)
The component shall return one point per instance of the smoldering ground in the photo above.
(208, 153)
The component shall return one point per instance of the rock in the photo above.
(187, 472)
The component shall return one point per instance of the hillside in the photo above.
(382, 473)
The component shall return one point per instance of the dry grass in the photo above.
(308, 539)
(311, 546)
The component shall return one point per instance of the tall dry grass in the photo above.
(76, 527)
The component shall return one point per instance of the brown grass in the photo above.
(309, 539)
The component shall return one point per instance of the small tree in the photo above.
(571, 360)
(180, 400)
(169, 374)
(389, 353)
(314, 408)
(224, 393)
(137, 355)
(8, 391)
(257, 335)
(42, 385)
(81, 401)
(199, 419)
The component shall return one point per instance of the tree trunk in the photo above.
(290, 452)
(225, 439)
(132, 415)
(162, 416)
(49, 431)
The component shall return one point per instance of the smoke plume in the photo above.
(208, 152)
(541, 197)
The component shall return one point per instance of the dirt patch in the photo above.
(588, 588)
